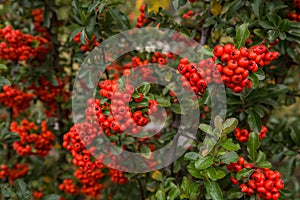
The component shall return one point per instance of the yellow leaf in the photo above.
(226, 39)
(216, 34)
(157, 175)
(47, 179)
(215, 7)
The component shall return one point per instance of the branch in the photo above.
(204, 32)
(141, 189)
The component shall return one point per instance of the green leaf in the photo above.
(20, 187)
(256, 7)
(82, 37)
(274, 19)
(244, 173)
(234, 193)
(266, 25)
(51, 197)
(220, 174)
(162, 101)
(206, 51)
(4, 81)
(229, 125)
(252, 146)
(229, 145)
(242, 34)
(9, 137)
(185, 184)
(214, 174)
(194, 190)
(218, 122)
(145, 88)
(121, 20)
(254, 121)
(233, 8)
(176, 109)
(290, 166)
(128, 141)
(273, 34)
(160, 195)
(261, 156)
(194, 172)
(204, 162)
(2, 66)
(93, 6)
(229, 156)
(260, 74)
(191, 156)
(174, 192)
(213, 190)
(206, 129)
(254, 80)
(264, 164)
(91, 25)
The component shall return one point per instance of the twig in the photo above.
(141, 189)
(204, 32)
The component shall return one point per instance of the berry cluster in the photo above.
(90, 182)
(13, 173)
(192, 1)
(31, 143)
(68, 186)
(296, 3)
(142, 18)
(123, 118)
(38, 17)
(188, 14)
(294, 16)
(236, 64)
(264, 182)
(15, 99)
(48, 93)
(238, 166)
(3, 171)
(18, 46)
(37, 194)
(243, 135)
(196, 77)
(90, 44)
(89, 173)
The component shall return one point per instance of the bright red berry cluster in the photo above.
(90, 182)
(188, 14)
(196, 77)
(15, 99)
(238, 166)
(38, 18)
(89, 173)
(47, 93)
(236, 64)
(90, 44)
(264, 182)
(32, 143)
(37, 194)
(13, 173)
(294, 16)
(18, 46)
(68, 187)
(142, 18)
(3, 171)
(243, 135)
(123, 118)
